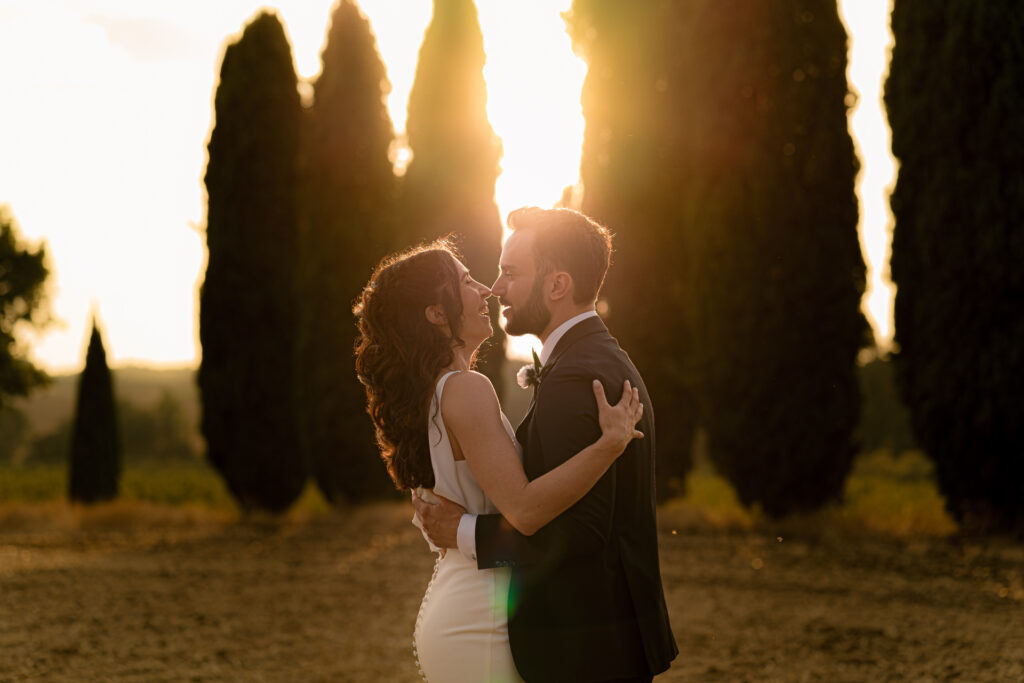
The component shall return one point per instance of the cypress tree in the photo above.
(954, 94)
(720, 128)
(95, 462)
(781, 265)
(449, 184)
(348, 227)
(248, 313)
(23, 274)
(631, 173)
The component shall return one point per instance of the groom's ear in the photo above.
(434, 315)
(561, 285)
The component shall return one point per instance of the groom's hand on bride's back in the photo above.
(440, 521)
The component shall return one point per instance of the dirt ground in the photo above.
(178, 595)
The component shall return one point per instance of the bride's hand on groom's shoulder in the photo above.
(618, 422)
(440, 520)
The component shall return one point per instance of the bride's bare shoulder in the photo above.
(468, 389)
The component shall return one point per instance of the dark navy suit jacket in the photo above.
(586, 601)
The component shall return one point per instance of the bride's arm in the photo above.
(473, 416)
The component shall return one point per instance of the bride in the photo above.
(421, 319)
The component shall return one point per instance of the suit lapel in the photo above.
(524, 426)
(585, 328)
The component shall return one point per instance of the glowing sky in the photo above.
(107, 111)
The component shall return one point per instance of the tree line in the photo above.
(151, 431)
(717, 149)
(302, 203)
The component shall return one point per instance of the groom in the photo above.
(586, 601)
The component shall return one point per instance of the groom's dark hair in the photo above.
(567, 240)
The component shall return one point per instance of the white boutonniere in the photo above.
(531, 375)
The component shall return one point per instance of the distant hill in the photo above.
(49, 407)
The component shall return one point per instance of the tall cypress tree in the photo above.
(248, 314)
(717, 147)
(348, 227)
(781, 265)
(955, 95)
(95, 462)
(449, 184)
(631, 171)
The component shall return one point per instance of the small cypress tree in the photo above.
(248, 312)
(449, 184)
(348, 227)
(955, 94)
(95, 462)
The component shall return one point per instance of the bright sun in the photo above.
(533, 90)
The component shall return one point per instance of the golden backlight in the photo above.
(108, 110)
(867, 22)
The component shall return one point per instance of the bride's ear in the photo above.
(435, 316)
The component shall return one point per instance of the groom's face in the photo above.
(520, 288)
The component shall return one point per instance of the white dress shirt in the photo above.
(467, 525)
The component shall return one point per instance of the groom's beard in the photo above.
(532, 317)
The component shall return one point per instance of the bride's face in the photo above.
(475, 325)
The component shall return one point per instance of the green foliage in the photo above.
(248, 313)
(449, 184)
(33, 484)
(955, 95)
(14, 428)
(23, 274)
(95, 458)
(897, 494)
(156, 417)
(717, 148)
(179, 483)
(884, 495)
(157, 434)
(884, 421)
(53, 447)
(175, 484)
(349, 225)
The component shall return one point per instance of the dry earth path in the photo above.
(168, 595)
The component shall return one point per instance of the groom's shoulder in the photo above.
(595, 349)
(598, 357)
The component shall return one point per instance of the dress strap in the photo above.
(442, 458)
(441, 383)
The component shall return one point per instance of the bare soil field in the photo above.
(147, 593)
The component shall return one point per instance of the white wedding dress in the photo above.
(461, 632)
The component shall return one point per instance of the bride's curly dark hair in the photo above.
(399, 353)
